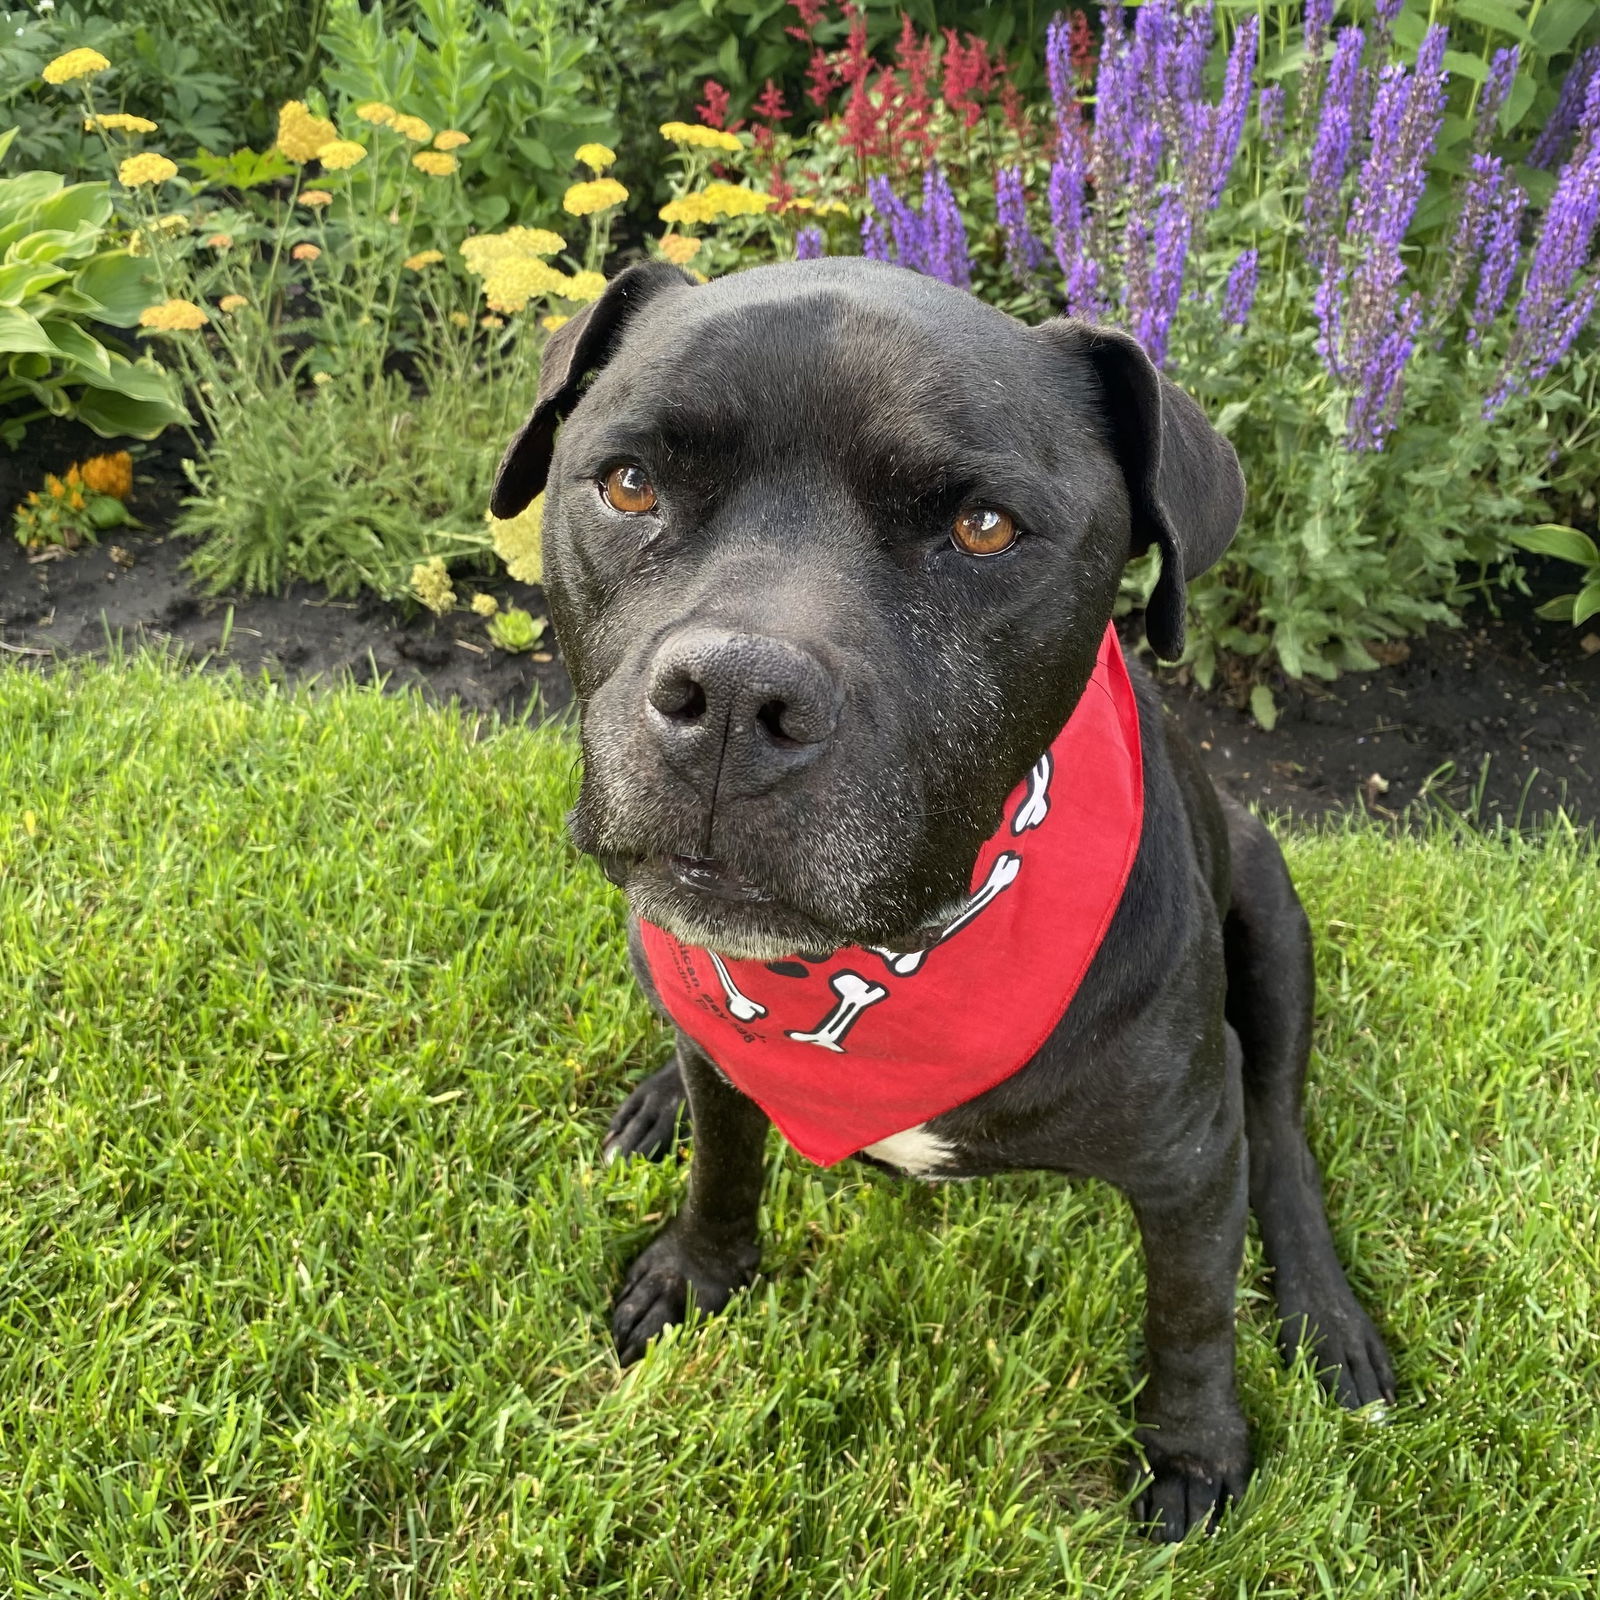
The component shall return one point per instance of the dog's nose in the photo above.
(737, 713)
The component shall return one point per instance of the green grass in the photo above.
(309, 1024)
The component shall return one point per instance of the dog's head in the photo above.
(829, 549)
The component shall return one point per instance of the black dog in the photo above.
(830, 549)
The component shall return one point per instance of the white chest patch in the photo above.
(914, 1151)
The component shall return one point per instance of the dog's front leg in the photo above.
(709, 1249)
(1191, 1429)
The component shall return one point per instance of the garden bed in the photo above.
(1497, 718)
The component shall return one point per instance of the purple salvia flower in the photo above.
(1552, 140)
(1376, 407)
(1502, 74)
(1154, 320)
(1314, 33)
(1479, 197)
(1239, 292)
(1500, 248)
(908, 236)
(1385, 13)
(874, 239)
(1058, 70)
(1269, 116)
(1330, 155)
(1556, 303)
(1228, 124)
(1070, 234)
(809, 245)
(1024, 253)
(948, 256)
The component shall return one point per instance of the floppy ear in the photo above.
(1185, 490)
(572, 352)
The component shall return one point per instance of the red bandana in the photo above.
(870, 1042)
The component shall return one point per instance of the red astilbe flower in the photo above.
(1080, 47)
(914, 52)
(713, 110)
(968, 72)
(819, 73)
(810, 14)
(860, 121)
(769, 104)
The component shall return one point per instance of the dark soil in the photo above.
(1499, 718)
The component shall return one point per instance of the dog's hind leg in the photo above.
(1271, 987)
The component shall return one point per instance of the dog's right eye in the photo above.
(628, 489)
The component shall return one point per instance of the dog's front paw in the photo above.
(668, 1275)
(1188, 1490)
(1348, 1353)
(646, 1123)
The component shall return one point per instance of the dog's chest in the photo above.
(915, 1152)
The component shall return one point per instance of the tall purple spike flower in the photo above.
(1480, 198)
(1368, 338)
(907, 233)
(1559, 293)
(1153, 323)
(1314, 31)
(1501, 246)
(1228, 124)
(809, 245)
(1058, 70)
(1563, 121)
(1493, 95)
(1024, 253)
(1239, 292)
(875, 239)
(1069, 231)
(1330, 154)
(948, 256)
(1269, 117)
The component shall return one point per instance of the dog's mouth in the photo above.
(715, 878)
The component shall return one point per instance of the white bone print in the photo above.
(1001, 876)
(1036, 806)
(855, 995)
(740, 1006)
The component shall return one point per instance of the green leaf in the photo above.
(1495, 14)
(1557, 610)
(21, 334)
(120, 286)
(5, 141)
(22, 280)
(112, 415)
(1555, 539)
(1559, 24)
(1264, 707)
(1588, 602)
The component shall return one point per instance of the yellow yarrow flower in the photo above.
(451, 139)
(233, 302)
(586, 286)
(482, 250)
(118, 122)
(430, 583)
(459, 319)
(315, 197)
(423, 259)
(108, 474)
(596, 157)
(304, 252)
(435, 163)
(174, 316)
(146, 168)
(377, 113)
(697, 133)
(730, 200)
(414, 128)
(220, 241)
(553, 321)
(679, 248)
(511, 284)
(599, 194)
(338, 155)
(485, 605)
(301, 135)
(77, 63)
(491, 322)
(519, 541)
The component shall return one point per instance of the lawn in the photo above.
(309, 1025)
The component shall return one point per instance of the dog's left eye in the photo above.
(628, 489)
(983, 531)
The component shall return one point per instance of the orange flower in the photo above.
(304, 252)
(109, 474)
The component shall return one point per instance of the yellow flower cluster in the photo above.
(553, 321)
(301, 135)
(485, 605)
(377, 113)
(423, 259)
(74, 64)
(109, 474)
(697, 133)
(483, 250)
(585, 286)
(519, 541)
(232, 302)
(338, 155)
(596, 157)
(598, 194)
(146, 168)
(822, 208)
(511, 284)
(414, 128)
(304, 252)
(435, 163)
(173, 316)
(220, 241)
(430, 583)
(679, 248)
(118, 122)
(451, 139)
(714, 201)
(315, 197)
